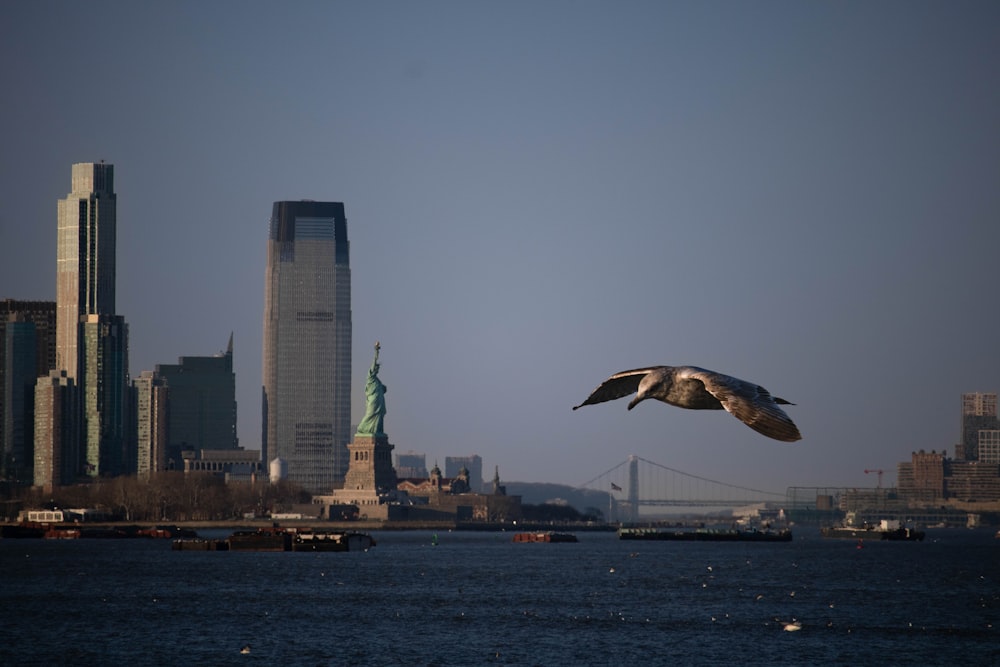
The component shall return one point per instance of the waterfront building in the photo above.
(473, 464)
(979, 413)
(307, 344)
(933, 478)
(439, 497)
(57, 431)
(27, 352)
(435, 483)
(972, 481)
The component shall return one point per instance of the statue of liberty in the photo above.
(372, 423)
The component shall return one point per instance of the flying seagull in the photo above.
(700, 389)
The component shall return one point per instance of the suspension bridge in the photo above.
(631, 486)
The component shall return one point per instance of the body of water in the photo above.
(479, 599)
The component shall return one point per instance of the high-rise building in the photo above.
(91, 340)
(85, 269)
(201, 392)
(27, 352)
(151, 423)
(979, 413)
(57, 431)
(411, 465)
(185, 408)
(105, 396)
(473, 464)
(307, 344)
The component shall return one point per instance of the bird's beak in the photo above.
(635, 401)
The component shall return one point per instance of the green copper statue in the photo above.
(375, 401)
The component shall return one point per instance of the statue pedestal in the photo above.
(370, 464)
(370, 481)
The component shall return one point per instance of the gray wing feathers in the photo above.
(750, 403)
(616, 386)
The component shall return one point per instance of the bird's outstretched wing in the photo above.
(750, 403)
(616, 386)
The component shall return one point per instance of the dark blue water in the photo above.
(478, 599)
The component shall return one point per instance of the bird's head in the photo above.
(655, 384)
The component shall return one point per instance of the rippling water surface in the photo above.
(479, 599)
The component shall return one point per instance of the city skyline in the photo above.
(540, 195)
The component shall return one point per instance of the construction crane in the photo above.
(879, 472)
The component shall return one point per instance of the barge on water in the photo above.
(545, 536)
(705, 535)
(884, 530)
(282, 539)
(318, 540)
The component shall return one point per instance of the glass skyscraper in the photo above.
(85, 260)
(27, 352)
(91, 340)
(307, 344)
(201, 395)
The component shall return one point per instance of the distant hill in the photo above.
(540, 493)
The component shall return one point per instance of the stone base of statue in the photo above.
(370, 482)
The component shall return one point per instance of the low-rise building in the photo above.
(234, 465)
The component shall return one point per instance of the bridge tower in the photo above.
(633, 488)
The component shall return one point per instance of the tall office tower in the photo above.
(411, 465)
(979, 413)
(474, 464)
(151, 423)
(105, 396)
(201, 394)
(91, 341)
(307, 344)
(57, 431)
(27, 352)
(85, 270)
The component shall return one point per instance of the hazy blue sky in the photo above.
(539, 194)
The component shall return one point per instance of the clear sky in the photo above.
(539, 194)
